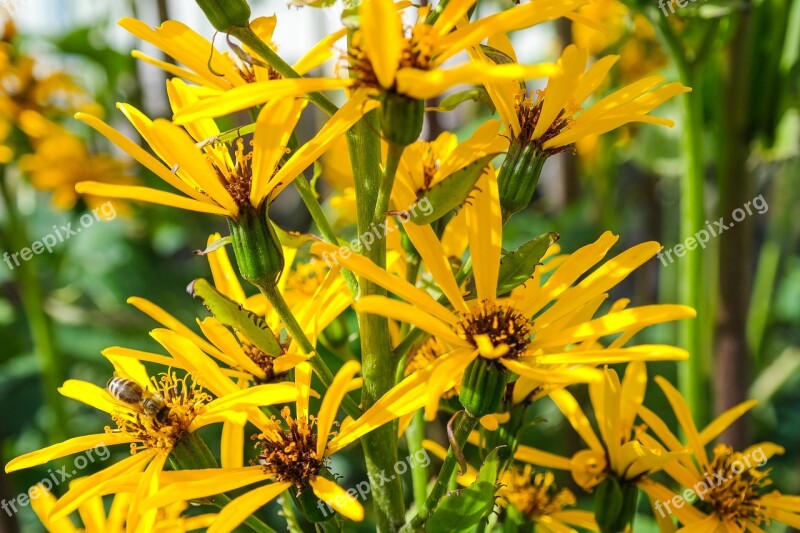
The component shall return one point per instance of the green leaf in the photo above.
(517, 267)
(233, 315)
(462, 509)
(449, 193)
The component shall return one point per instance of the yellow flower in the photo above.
(211, 178)
(619, 451)
(152, 439)
(554, 119)
(385, 56)
(295, 451)
(209, 68)
(60, 160)
(731, 486)
(95, 520)
(522, 334)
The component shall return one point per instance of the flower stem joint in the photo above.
(483, 387)
(226, 14)
(519, 176)
(256, 246)
(401, 118)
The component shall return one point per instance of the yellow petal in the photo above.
(68, 447)
(115, 352)
(574, 414)
(382, 31)
(338, 498)
(364, 267)
(146, 194)
(260, 395)
(97, 484)
(88, 393)
(185, 485)
(238, 510)
(561, 87)
(426, 84)
(360, 103)
(227, 343)
(147, 486)
(169, 68)
(566, 376)
(452, 14)
(276, 123)
(170, 322)
(409, 314)
(254, 94)
(43, 505)
(684, 416)
(231, 444)
(724, 421)
(485, 223)
(319, 53)
(302, 380)
(225, 279)
(643, 352)
(542, 458)
(331, 401)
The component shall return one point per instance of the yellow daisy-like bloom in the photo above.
(554, 119)
(425, 164)
(210, 68)
(386, 56)
(60, 160)
(523, 333)
(618, 451)
(211, 178)
(295, 451)
(732, 486)
(95, 519)
(151, 438)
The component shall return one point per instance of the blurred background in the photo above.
(737, 138)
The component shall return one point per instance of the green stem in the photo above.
(329, 526)
(465, 424)
(415, 434)
(309, 198)
(692, 374)
(373, 190)
(249, 37)
(41, 327)
(276, 300)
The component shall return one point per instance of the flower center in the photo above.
(237, 180)
(535, 495)
(502, 324)
(183, 399)
(307, 278)
(290, 454)
(264, 361)
(528, 114)
(736, 497)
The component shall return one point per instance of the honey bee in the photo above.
(131, 393)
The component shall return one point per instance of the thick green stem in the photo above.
(461, 430)
(276, 300)
(415, 434)
(249, 37)
(41, 327)
(309, 198)
(373, 189)
(692, 374)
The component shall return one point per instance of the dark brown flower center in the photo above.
(503, 325)
(735, 496)
(290, 454)
(528, 114)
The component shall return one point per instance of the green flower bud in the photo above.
(226, 14)
(518, 177)
(401, 118)
(615, 505)
(483, 387)
(258, 251)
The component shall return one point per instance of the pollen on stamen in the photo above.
(535, 495)
(504, 325)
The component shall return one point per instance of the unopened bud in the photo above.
(258, 251)
(401, 118)
(226, 14)
(483, 387)
(518, 177)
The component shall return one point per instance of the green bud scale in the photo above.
(256, 246)
(483, 387)
(519, 176)
(401, 118)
